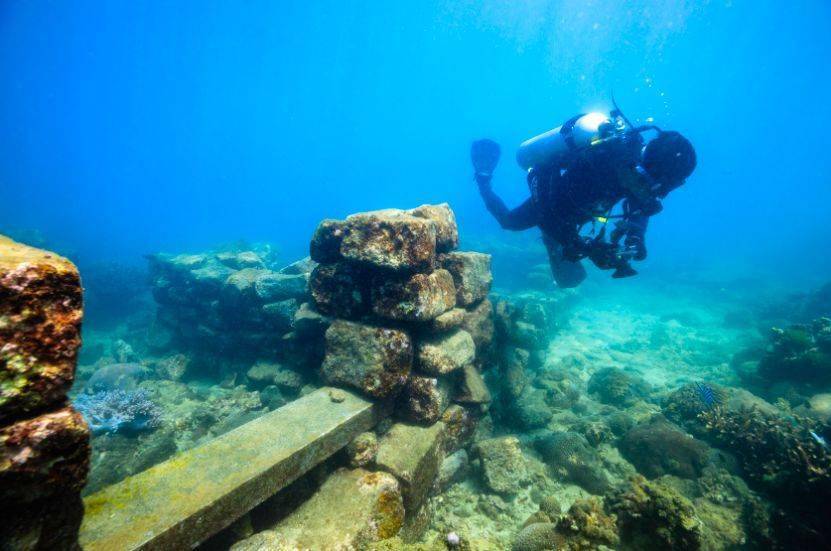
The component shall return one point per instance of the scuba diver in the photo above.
(577, 174)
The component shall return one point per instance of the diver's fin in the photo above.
(484, 154)
(567, 274)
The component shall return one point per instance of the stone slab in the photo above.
(181, 502)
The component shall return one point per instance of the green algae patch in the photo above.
(179, 503)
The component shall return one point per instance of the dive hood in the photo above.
(552, 147)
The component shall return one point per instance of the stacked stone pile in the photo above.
(44, 442)
(411, 318)
(236, 306)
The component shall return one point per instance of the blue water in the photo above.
(128, 128)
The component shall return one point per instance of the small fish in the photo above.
(706, 394)
(820, 440)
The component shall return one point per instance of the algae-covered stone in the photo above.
(390, 239)
(325, 244)
(503, 465)
(40, 322)
(423, 399)
(240, 260)
(340, 290)
(362, 450)
(375, 360)
(452, 319)
(350, 510)
(413, 454)
(419, 297)
(447, 231)
(308, 322)
(472, 388)
(478, 321)
(442, 354)
(273, 286)
(43, 455)
(472, 273)
(460, 424)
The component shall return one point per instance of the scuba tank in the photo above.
(553, 147)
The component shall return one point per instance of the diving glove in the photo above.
(484, 154)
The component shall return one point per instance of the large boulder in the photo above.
(390, 239)
(445, 353)
(375, 360)
(472, 273)
(419, 297)
(40, 323)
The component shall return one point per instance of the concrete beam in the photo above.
(181, 502)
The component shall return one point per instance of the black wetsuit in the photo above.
(564, 198)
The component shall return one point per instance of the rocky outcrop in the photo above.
(44, 444)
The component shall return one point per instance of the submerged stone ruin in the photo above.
(44, 442)
(410, 326)
(387, 309)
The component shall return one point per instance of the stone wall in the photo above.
(44, 442)
(229, 310)
(411, 319)
(411, 324)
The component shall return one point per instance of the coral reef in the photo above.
(118, 411)
(651, 515)
(800, 353)
(618, 388)
(571, 458)
(588, 526)
(657, 448)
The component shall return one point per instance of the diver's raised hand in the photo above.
(484, 154)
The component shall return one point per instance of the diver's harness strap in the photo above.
(567, 131)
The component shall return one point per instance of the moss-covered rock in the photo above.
(657, 447)
(40, 324)
(654, 516)
(615, 387)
